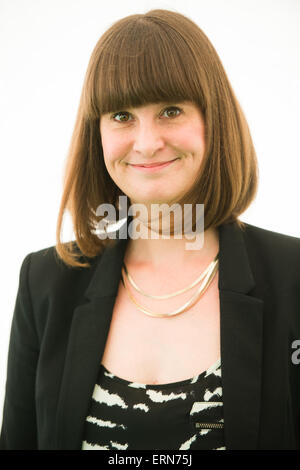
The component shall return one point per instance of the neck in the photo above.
(172, 252)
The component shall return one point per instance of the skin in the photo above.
(156, 350)
(154, 133)
(157, 132)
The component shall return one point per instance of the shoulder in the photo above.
(270, 240)
(272, 250)
(266, 236)
(50, 290)
(44, 271)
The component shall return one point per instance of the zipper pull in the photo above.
(209, 425)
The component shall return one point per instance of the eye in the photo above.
(169, 109)
(120, 113)
(172, 109)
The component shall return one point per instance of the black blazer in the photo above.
(61, 322)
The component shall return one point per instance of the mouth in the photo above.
(152, 166)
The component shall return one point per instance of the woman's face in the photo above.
(172, 134)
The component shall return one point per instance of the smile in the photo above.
(151, 167)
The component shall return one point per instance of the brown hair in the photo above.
(159, 56)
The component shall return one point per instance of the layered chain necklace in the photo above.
(206, 277)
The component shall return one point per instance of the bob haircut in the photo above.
(159, 56)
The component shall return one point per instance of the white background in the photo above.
(45, 47)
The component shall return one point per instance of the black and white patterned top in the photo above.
(186, 415)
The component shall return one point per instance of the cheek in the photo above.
(109, 147)
(192, 139)
(198, 137)
(112, 152)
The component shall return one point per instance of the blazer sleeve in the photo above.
(19, 429)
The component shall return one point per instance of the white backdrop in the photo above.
(45, 47)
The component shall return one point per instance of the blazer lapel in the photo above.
(88, 334)
(241, 341)
(241, 344)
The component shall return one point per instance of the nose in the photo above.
(148, 139)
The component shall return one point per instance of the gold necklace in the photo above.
(204, 285)
(168, 296)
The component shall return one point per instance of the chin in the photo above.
(155, 200)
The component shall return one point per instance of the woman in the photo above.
(136, 342)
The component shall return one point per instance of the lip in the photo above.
(149, 167)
